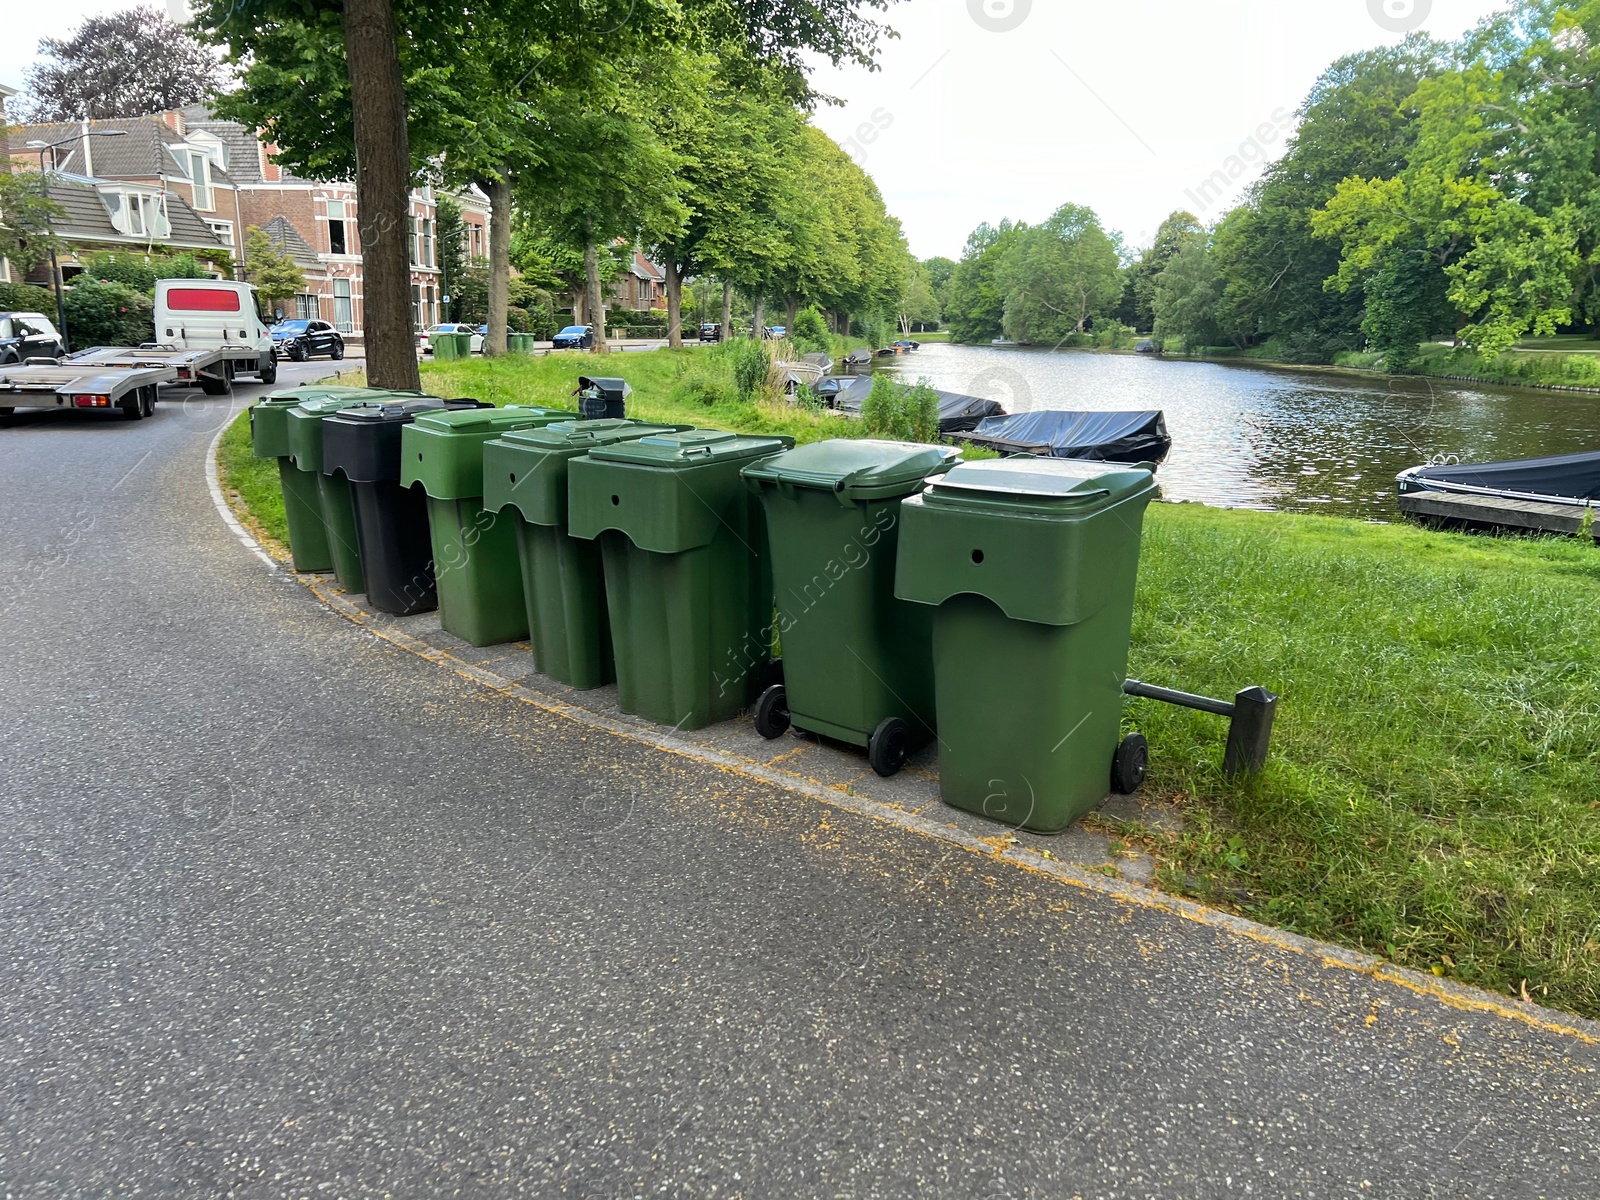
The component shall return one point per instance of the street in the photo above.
(291, 912)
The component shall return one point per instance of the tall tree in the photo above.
(275, 274)
(122, 64)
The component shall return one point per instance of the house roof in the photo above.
(140, 153)
(86, 219)
(286, 237)
(645, 269)
(241, 149)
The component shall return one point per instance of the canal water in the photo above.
(1256, 437)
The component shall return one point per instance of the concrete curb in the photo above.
(1447, 992)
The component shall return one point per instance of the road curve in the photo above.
(292, 913)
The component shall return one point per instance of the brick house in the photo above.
(642, 287)
(226, 177)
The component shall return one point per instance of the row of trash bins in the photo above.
(913, 597)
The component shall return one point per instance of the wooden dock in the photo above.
(1496, 512)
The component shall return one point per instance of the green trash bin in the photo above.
(526, 472)
(857, 663)
(520, 343)
(688, 584)
(448, 347)
(474, 552)
(333, 491)
(302, 504)
(1030, 565)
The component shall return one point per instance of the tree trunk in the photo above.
(499, 192)
(759, 321)
(793, 308)
(383, 187)
(727, 309)
(594, 308)
(674, 299)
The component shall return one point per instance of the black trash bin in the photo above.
(602, 398)
(363, 445)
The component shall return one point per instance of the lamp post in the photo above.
(55, 269)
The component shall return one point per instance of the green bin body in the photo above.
(333, 491)
(520, 343)
(688, 585)
(853, 654)
(302, 502)
(447, 347)
(1030, 568)
(562, 578)
(475, 559)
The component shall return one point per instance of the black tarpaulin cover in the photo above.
(1108, 436)
(1569, 476)
(961, 414)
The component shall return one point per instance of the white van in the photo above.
(216, 314)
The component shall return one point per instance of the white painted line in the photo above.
(221, 504)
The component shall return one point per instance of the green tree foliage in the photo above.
(27, 218)
(919, 303)
(275, 274)
(451, 232)
(1139, 284)
(976, 305)
(1058, 276)
(939, 271)
(809, 333)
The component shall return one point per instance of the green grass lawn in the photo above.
(1434, 789)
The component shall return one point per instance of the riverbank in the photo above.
(1431, 791)
(1548, 370)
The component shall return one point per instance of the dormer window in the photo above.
(200, 179)
(136, 214)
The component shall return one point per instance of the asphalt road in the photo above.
(290, 912)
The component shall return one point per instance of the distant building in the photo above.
(222, 175)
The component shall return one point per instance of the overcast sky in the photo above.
(986, 109)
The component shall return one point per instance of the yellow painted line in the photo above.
(997, 848)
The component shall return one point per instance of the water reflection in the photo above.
(1252, 437)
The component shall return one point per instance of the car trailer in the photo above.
(212, 368)
(83, 384)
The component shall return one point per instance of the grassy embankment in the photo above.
(1434, 789)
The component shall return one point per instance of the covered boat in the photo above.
(1558, 479)
(1139, 436)
(957, 413)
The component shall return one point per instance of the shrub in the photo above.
(25, 297)
(750, 363)
(140, 271)
(107, 314)
(810, 332)
(901, 412)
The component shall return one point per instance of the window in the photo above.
(224, 232)
(416, 307)
(200, 177)
(343, 307)
(433, 305)
(337, 243)
(427, 243)
(305, 307)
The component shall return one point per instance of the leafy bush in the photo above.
(810, 332)
(25, 297)
(107, 314)
(901, 412)
(140, 271)
(1113, 335)
(875, 330)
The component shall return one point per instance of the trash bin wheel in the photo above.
(772, 712)
(1129, 763)
(889, 746)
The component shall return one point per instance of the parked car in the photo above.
(575, 337)
(299, 340)
(478, 333)
(775, 331)
(710, 332)
(25, 335)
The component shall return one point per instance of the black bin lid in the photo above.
(363, 442)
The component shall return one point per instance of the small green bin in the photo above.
(521, 343)
(448, 347)
(857, 662)
(302, 503)
(1030, 566)
(474, 552)
(333, 491)
(562, 577)
(688, 584)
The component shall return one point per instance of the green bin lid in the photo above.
(1041, 485)
(331, 401)
(857, 468)
(583, 435)
(486, 422)
(693, 448)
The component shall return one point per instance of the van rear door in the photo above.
(196, 314)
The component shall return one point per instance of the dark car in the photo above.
(575, 337)
(299, 340)
(25, 335)
(710, 332)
